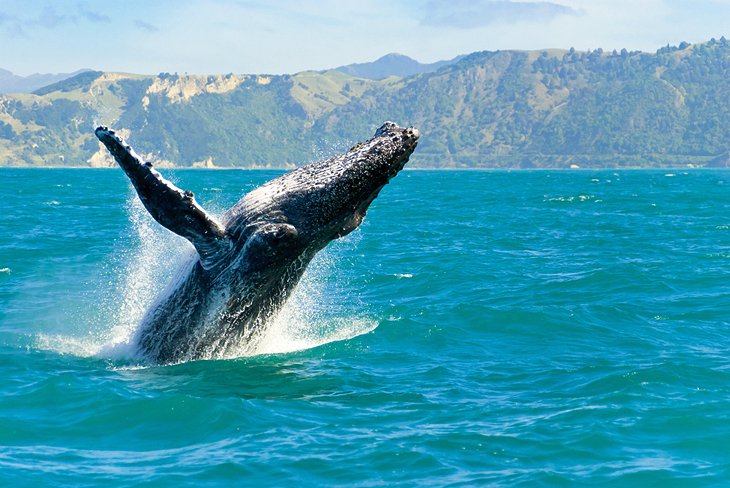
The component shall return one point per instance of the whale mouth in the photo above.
(393, 146)
(409, 141)
(411, 134)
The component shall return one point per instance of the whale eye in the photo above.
(282, 232)
(272, 238)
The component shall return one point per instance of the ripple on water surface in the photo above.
(481, 327)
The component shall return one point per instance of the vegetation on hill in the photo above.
(489, 109)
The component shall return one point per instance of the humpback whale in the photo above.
(249, 260)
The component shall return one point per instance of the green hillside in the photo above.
(489, 109)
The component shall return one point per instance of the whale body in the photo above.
(249, 260)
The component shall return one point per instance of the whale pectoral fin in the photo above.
(172, 207)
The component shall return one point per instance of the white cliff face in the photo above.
(183, 88)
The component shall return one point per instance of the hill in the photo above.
(392, 64)
(488, 109)
(11, 83)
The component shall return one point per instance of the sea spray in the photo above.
(153, 260)
(320, 310)
(128, 283)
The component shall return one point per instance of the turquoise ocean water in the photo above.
(480, 328)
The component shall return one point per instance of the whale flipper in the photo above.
(172, 207)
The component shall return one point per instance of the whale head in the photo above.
(301, 211)
(330, 199)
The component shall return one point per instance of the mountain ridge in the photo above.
(12, 83)
(393, 64)
(488, 109)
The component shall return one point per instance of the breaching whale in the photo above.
(249, 260)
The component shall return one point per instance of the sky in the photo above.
(288, 36)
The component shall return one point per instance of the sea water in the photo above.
(480, 328)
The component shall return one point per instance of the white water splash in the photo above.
(133, 278)
(317, 313)
(143, 274)
(319, 310)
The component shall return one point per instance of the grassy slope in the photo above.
(495, 109)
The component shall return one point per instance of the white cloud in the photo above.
(252, 36)
(145, 26)
(478, 13)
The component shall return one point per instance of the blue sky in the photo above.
(286, 36)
